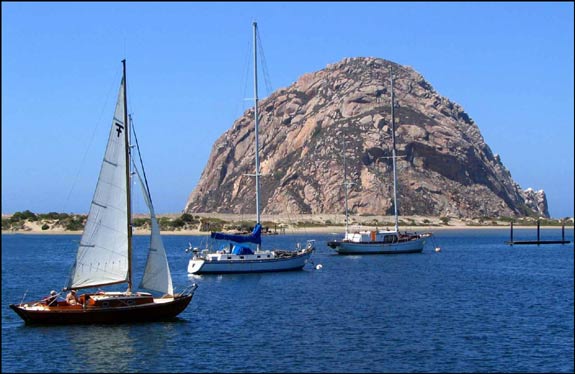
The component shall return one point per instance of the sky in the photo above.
(509, 65)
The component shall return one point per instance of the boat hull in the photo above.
(346, 247)
(201, 266)
(96, 314)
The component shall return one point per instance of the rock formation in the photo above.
(444, 167)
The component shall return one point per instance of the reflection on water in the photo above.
(118, 348)
(102, 348)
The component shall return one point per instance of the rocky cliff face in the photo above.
(444, 167)
(537, 201)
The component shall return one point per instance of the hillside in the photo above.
(445, 168)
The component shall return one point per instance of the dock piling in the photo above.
(539, 241)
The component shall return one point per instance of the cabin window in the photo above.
(105, 303)
(259, 256)
(389, 239)
(242, 257)
(229, 257)
(130, 302)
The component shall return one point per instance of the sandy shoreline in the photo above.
(314, 224)
(302, 230)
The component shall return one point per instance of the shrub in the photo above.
(139, 222)
(187, 218)
(74, 224)
(25, 215)
(51, 215)
(177, 223)
(165, 223)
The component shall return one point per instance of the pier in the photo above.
(539, 241)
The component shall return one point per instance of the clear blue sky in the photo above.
(509, 65)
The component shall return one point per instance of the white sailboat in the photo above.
(243, 253)
(104, 255)
(380, 241)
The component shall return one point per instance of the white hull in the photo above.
(259, 262)
(347, 247)
(240, 257)
(385, 242)
(380, 241)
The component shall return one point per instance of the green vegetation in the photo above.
(26, 220)
(74, 223)
(52, 216)
(142, 223)
(532, 221)
(303, 224)
(20, 221)
(24, 216)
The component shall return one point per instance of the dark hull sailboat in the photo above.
(105, 308)
(104, 255)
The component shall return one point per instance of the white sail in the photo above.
(157, 276)
(102, 256)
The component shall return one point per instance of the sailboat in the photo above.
(380, 241)
(243, 253)
(104, 255)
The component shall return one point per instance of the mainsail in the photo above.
(102, 256)
(254, 237)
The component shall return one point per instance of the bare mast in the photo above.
(257, 175)
(347, 185)
(393, 152)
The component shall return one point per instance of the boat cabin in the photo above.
(382, 236)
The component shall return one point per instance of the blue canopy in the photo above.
(242, 250)
(254, 237)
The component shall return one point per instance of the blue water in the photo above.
(476, 306)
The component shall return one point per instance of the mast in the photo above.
(128, 192)
(255, 25)
(346, 184)
(393, 152)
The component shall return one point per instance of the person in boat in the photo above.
(52, 300)
(71, 298)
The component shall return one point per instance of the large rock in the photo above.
(444, 166)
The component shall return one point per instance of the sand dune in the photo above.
(309, 223)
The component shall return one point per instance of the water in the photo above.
(476, 306)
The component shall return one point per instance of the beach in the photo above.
(309, 223)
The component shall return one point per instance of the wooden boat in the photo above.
(105, 307)
(104, 255)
